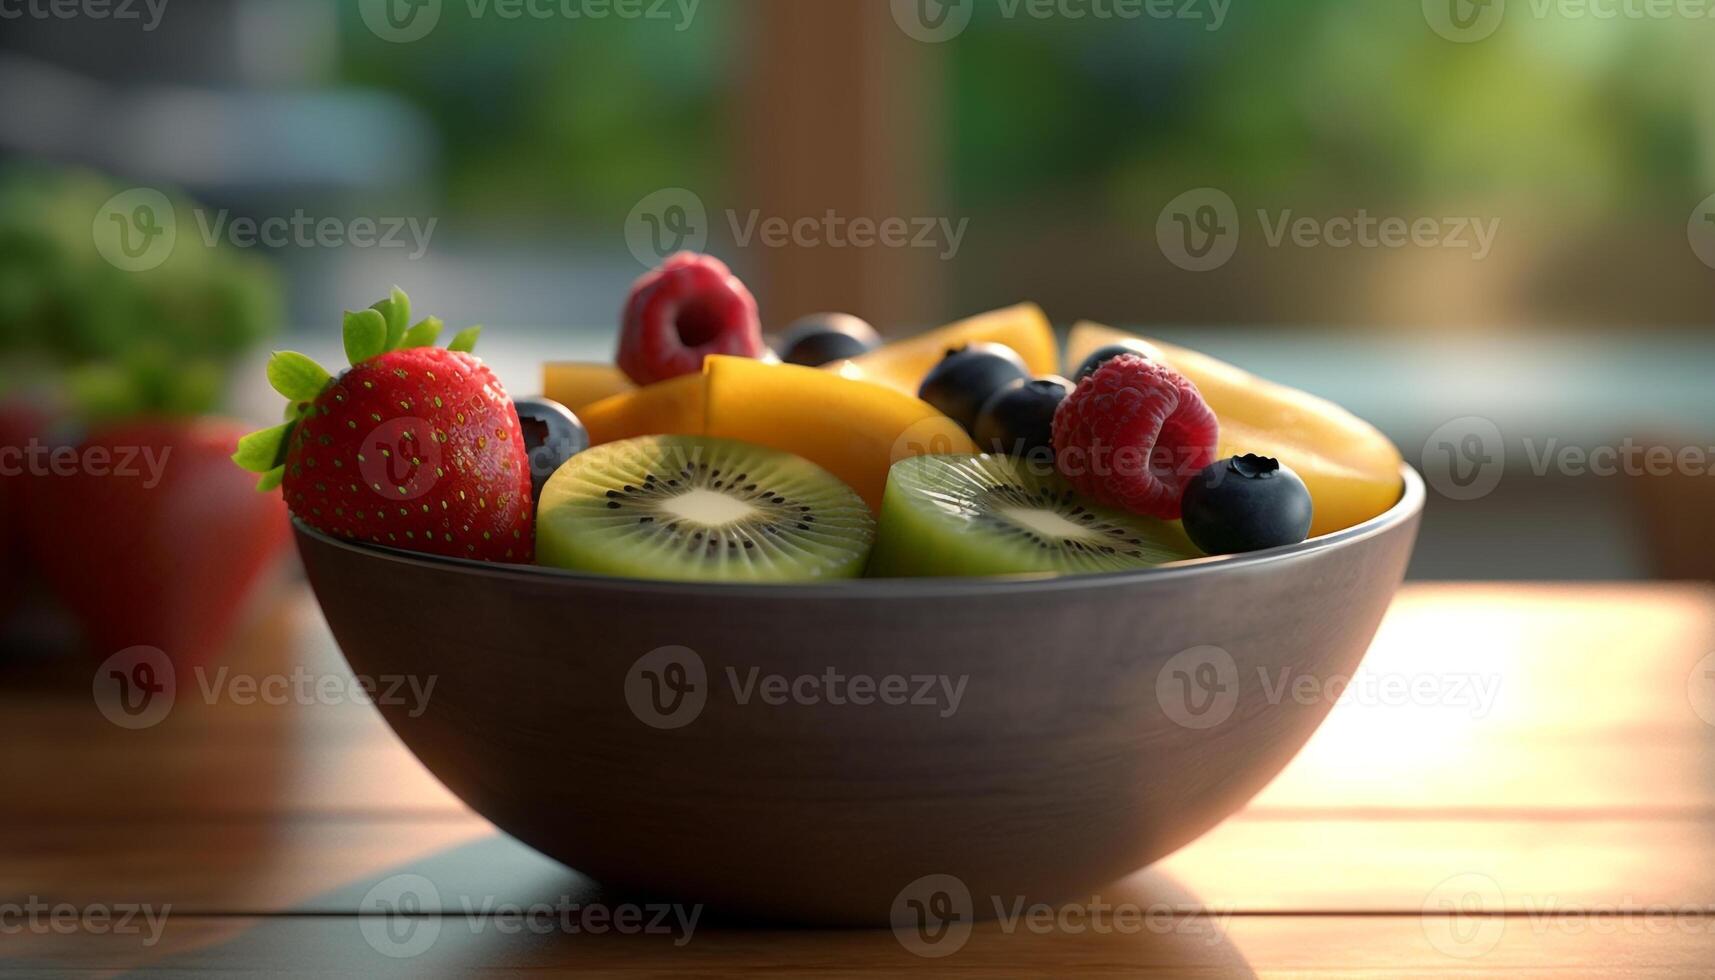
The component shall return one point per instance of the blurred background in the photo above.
(1488, 228)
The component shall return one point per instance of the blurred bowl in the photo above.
(1103, 721)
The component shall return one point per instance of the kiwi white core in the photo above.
(1046, 523)
(709, 508)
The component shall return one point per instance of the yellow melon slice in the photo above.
(672, 407)
(903, 363)
(579, 384)
(853, 429)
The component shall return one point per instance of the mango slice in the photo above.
(853, 429)
(903, 363)
(579, 384)
(673, 407)
(1352, 470)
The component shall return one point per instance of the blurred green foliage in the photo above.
(1332, 98)
(545, 119)
(119, 342)
(549, 120)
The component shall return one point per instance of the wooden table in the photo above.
(1522, 778)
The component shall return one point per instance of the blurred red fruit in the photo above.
(150, 535)
(20, 425)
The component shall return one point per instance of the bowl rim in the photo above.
(1410, 505)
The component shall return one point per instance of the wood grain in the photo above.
(1241, 946)
(1575, 806)
(1248, 865)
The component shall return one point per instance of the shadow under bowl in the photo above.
(809, 753)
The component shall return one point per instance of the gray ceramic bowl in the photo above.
(1100, 722)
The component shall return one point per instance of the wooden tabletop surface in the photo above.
(1521, 779)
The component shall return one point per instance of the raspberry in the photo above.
(690, 307)
(1133, 434)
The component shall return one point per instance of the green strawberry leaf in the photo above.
(365, 336)
(424, 334)
(465, 340)
(296, 376)
(271, 480)
(262, 451)
(397, 309)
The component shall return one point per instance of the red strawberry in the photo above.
(150, 537)
(1133, 433)
(414, 447)
(690, 307)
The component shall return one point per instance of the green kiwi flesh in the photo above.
(693, 508)
(994, 515)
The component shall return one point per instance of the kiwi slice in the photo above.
(995, 515)
(693, 508)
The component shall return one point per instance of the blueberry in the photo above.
(822, 338)
(552, 435)
(1105, 354)
(968, 377)
(1019, 418)
(1246, 503)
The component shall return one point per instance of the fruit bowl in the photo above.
(634, 730)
